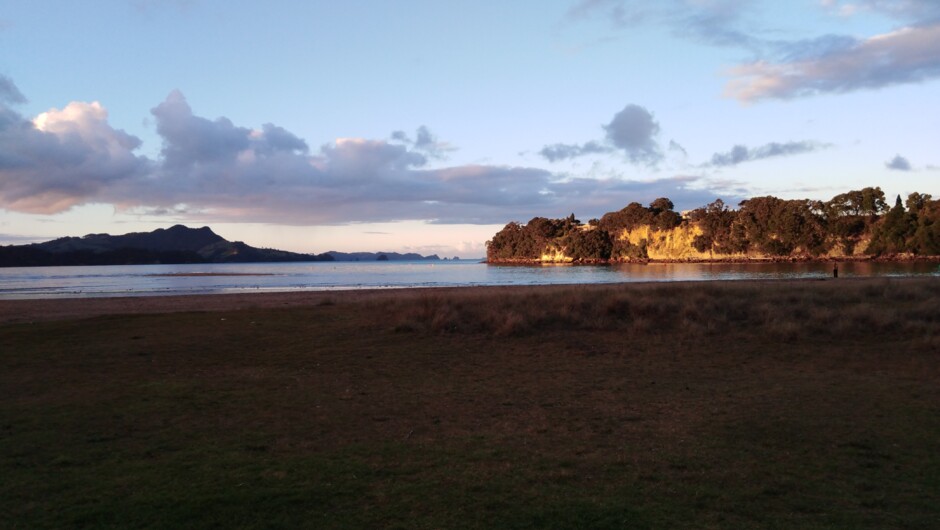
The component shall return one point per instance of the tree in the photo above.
(716, 222)
(629, 217)
(661, 204)
(917, 201)
(892, 233)
(866, 201)
(926, 238)
(513, 242)
(588, 245)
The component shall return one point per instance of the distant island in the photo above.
(857, 225)
(177, 244)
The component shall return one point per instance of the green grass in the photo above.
(587, 412)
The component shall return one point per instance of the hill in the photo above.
(177, 244)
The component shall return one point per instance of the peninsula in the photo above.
(856, 225)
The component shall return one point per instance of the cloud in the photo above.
(63, 158)
(908, 55)
(711, 21)
(739, 153)
(425, 142)
(213, 170)
(556, 152)
(898, 163)
(909, 10)
(675, 146)
(633, 130)
(615, 10)
(15, 239)
(784, 69)
(9, 93)
(595, 197)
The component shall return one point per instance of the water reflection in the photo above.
(59, 282)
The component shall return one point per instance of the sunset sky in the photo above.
(425, 126)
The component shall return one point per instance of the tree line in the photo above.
(762, 225)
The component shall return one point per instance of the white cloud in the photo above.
(740, 153)
(907, 55)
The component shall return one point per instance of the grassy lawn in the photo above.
(719, 405)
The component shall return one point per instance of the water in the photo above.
(151, 280)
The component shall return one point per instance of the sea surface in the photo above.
(155, 280)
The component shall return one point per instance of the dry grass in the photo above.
(830, 310)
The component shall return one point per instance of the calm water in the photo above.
(69, 282)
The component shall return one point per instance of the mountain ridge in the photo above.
(174, 245)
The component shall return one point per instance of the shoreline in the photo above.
(893, 258)
(21, 311)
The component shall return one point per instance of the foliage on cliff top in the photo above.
(765, 226)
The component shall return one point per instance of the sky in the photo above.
(426, 126)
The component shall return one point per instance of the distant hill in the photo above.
(177, 244)
(379, 256)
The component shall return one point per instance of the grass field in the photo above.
(810, 404)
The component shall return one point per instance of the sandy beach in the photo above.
(36, 310)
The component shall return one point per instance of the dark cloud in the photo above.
(811, 49)
(556, 152)
(614, 10)
(188, 139)
(425, 142)
(274, 138)
(675, 146)
(632, 130)
(739, 153)
(9, 94)
(898, 163)
(714, 22)
(424, 139)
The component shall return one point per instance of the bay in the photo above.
(156, 280)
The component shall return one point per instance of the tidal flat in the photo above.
(787, 404)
